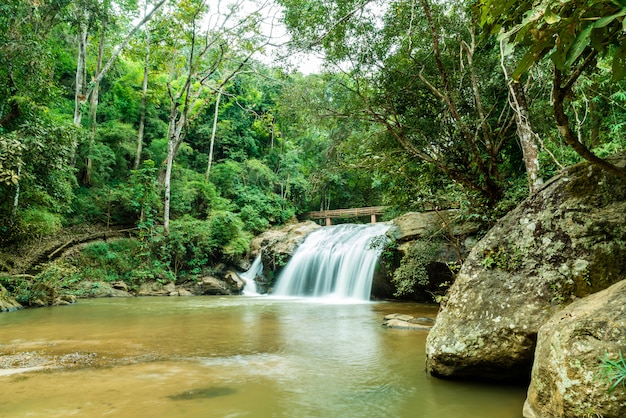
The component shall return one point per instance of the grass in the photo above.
(613, 371)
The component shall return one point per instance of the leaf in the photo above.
(578, 46)
(605, 21)
(525, 63)
(619, 63)
(550, 17)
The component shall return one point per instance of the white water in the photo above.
(334, 262)
(256, 269)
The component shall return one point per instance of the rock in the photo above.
(184, 292)
(403, 321)
(120, 285)
(64, 300)
(210, 286)
(564, 242)
(234, 282)
(565, 376)
(277, 246)
(7, 303)
(88, 289)
(418, 225)
(156, 289)
(453, 239)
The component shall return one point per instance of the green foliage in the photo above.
(227, 236)
(109, 261)
(145, 197)
(613, 372)
(193, 245)
(45, 287)
(412, 270)
(39, 223)
(36, 180)
(565, 31)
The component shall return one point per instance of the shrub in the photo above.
(412, 269)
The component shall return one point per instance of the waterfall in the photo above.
(333, 262)
(256, 269)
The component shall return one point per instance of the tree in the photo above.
(574, 35)
(206, 41)
(86, 14)
(26, 47)
(417, 72)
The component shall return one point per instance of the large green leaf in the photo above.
(605, 21)
(619, 63)
(578, 46)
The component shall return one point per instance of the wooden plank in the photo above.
(346, 213)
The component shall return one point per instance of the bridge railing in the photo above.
(347, 213)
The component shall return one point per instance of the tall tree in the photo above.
(207, 41)
(144, 94)
(84, 15)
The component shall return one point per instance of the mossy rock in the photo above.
(562, 243)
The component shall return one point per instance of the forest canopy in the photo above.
(167, 115)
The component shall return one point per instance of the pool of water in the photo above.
(232, 357)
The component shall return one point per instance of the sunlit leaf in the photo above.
(550, 17)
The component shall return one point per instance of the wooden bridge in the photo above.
(347, 213)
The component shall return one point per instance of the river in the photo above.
(231, 357)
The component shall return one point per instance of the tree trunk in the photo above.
(167, 183)
(81, 68)
(93, 105)
(525, 131)
(526, 136)
(559, 92)
(144, 96)
(16, 198)
(217, 107)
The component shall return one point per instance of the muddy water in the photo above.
(229, 357)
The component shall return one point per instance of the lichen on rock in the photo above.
(567, 372)
(562, 243)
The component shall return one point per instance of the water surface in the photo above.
(232, 357)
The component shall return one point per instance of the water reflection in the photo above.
(232, 356)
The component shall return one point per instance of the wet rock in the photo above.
(183, 292)
(448, 239)
(419, 225)
(566, 375)
(562, 243)
(234, 282)
(64, 300)
(403, 321)
(120, 285)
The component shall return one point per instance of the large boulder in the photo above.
(564, 242)
(420, 225)
(567, 378)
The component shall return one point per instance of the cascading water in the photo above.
(248, 276)
(335, 262)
